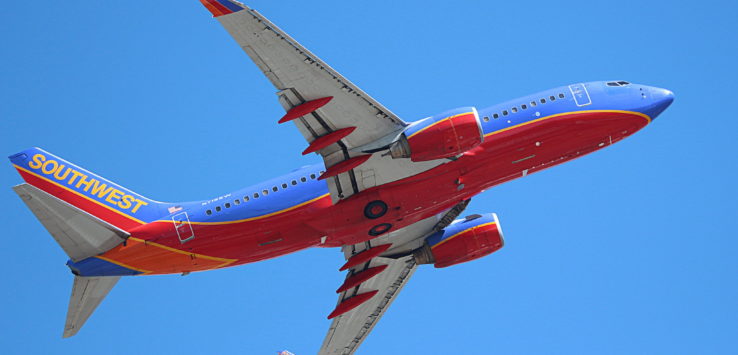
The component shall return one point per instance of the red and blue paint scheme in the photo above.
(463, 240)
(387, 195)
(221, 7)
(294, 211)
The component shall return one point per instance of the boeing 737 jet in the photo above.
(388, 193)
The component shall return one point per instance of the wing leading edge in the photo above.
(340, 121)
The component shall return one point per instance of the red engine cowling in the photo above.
(462, 241)
(441, 136)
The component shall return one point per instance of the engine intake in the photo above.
(441, 136)
(464, 240)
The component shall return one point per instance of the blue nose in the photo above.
(660, 99)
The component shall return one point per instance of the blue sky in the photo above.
(629, 250)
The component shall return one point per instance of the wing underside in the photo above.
(348, 330)
(325, 105)
(386, 274)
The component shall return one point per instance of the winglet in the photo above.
(222, 7)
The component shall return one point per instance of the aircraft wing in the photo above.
(377, 271)
(339, 121)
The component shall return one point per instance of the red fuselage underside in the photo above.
(503, 156)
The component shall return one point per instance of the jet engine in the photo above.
(463, 240)
(445, 135)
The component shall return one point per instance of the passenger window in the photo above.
(274, 188)
(612, 83)
(524, 106)
(228, 205)
(265, 192)
(623, 83)
(208, 212)
(561, 96)
(284, 186)
(533, 103)
(237, 201)
(543, 101)
(303, 179)
(256, 195)
(312, 176)
(504, 112)
(486, 118)
(294, 182)
(514, 109)
(553, 98)
(217, 208)
(495, 116)
(245, 198)
(321, 172)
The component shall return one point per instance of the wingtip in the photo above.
(222, 7)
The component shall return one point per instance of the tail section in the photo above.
(78, 233)
(87, 293)
(86, 191)
(87, 215)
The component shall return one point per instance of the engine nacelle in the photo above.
(463, 240)
(441, 136)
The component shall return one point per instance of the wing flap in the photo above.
(348, 330)
(301, 77)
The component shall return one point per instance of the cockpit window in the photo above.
(617, 83)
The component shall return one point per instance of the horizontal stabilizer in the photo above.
(87, 293)
(80, 234)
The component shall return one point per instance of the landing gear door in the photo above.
(183, 227)
(580, 94)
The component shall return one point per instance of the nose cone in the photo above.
(660, 99)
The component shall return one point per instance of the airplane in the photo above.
(388, 193)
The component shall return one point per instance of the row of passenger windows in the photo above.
(257, 194)
(515, 109)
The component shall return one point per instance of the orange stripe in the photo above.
(462, 232)
(213, 10)
(154, 258)
(435, 123)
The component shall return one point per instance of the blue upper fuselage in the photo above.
(599, 95)
(302, 185)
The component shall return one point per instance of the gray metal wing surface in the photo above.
(300, 76)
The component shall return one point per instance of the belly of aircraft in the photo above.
(503, 156)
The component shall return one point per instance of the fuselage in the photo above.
(295, 211)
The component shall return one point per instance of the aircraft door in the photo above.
(580, 94)
(183, 227)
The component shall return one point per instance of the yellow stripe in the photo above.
(462, 232)
(259, 217)
(73, 191)
(445, 119)
(123, 265)
(568, 113)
